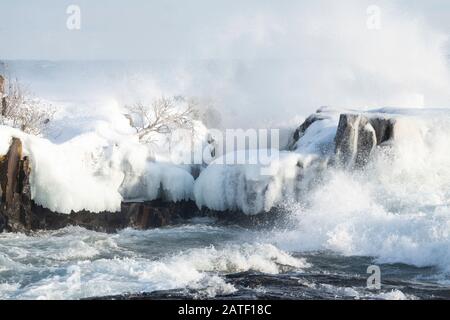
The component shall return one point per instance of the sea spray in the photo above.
(396, 209)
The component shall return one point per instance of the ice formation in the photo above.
(98, 169)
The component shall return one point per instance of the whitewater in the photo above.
(268, 70)
(394, 213)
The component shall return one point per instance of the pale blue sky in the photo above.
(143, 29)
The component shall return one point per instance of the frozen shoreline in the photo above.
(35, 187)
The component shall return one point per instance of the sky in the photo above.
(261, 62)
(171, 29)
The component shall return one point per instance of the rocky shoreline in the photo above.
(356, 138)
(19, 213)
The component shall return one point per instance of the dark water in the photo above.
(331, 277)
(197, 260)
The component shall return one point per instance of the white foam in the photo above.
(72, 264)
(394, 295)
(396, 209)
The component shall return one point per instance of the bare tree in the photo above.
(20, 110)
(3, 105)
(2, 86)
(162, 116)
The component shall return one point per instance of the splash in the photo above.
(396, 209)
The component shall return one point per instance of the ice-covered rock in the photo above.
(20, 213)
(257, 188)
(316, 134)
(359, 134)
(300, 131)
(340, 139)
(97, 172)
(355, 140)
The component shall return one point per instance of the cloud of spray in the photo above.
(270, 64)
(298, 58)
(275, 63)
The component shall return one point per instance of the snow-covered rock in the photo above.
(245, 189)
(340, 139)
(98, 170)
(96, 173)
(355, 140)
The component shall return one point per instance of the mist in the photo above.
(262, 65)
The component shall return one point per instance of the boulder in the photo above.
(138, 215)
(15, 206)
(300, 131)
(358, 135)
(384, 128)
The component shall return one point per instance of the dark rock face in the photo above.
(357, 137)
(2, 223)
(355, 140)
(145, 215)
(3, 106)
(384, 129)
(142, 216)
(15, 204)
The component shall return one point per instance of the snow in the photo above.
(251, 188)
(168, 182)
(93, 161)
(75, 176)
(5, 142)
(290, 177)
(319, 137)
(102, 163)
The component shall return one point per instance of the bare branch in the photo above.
(162, 116)
(20, 111)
